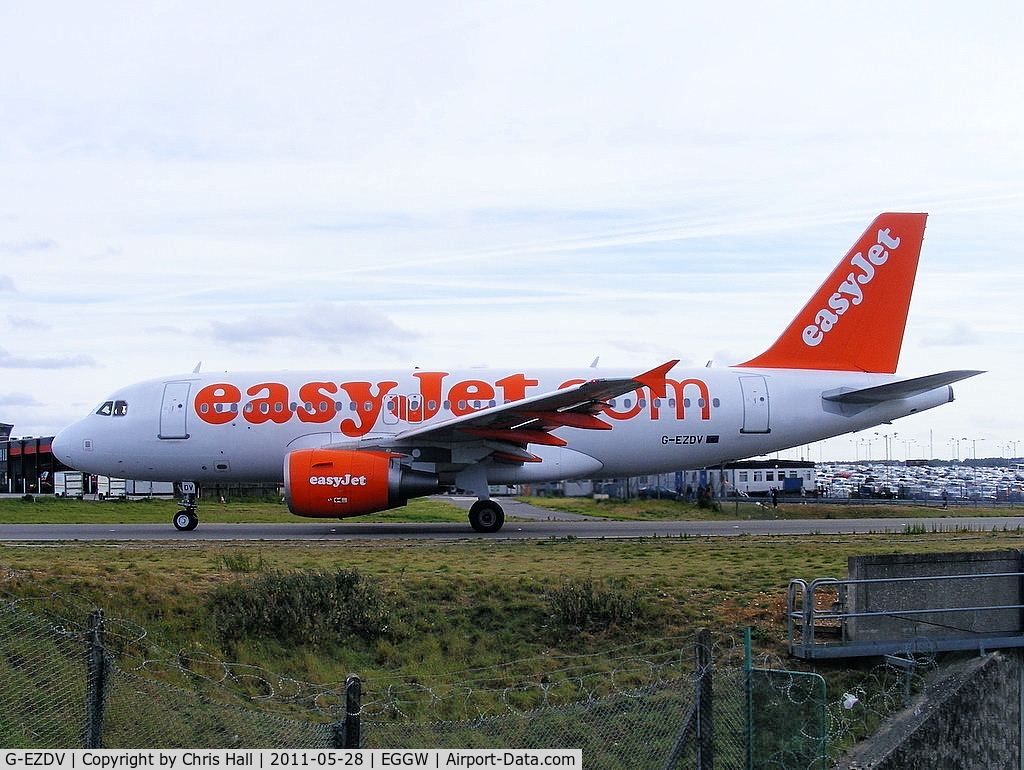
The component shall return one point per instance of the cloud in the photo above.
(8, 361)
(18, 399)
(26, 324)
(958, 335)
(351, 324)
(7, 284)
(18, 248)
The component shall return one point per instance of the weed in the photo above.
(242, 562)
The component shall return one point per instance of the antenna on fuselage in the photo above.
(196, 370)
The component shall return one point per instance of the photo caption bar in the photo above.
(268, 759)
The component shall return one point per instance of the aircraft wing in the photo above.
(895, 390)
(505, 431)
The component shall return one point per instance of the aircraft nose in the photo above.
(67, 444)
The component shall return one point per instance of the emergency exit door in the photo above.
(173, 410)
(755, 404)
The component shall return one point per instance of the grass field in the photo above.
(51, 510)
(749, 508)
(448, 606)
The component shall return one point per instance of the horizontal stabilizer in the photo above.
(896, 390)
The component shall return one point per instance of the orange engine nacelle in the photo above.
(334, 483)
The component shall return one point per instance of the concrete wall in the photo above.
(967, 592)
(969, 717)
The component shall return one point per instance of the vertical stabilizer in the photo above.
(856, 319)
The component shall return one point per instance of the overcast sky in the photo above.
(343, 185)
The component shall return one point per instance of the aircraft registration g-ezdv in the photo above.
(351, 443)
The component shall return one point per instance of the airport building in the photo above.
(753, 478)
(5, 435)
(756, 478)
(27, 465)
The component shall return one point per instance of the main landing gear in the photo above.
(486, 516)
(186, 519)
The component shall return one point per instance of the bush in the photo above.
(297, 608)
(591, 604)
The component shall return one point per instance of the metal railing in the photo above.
(825, 621)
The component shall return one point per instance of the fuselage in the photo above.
(241, 426)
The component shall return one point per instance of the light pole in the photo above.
(887, 437)
(906, 448)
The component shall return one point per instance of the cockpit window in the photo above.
(115, 408)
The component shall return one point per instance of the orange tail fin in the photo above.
(855, 321)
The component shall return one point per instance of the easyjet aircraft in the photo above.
(350, 443)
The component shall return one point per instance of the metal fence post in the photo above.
(95, 682)
(748, 684)
(347, 734)
(353, 705)
(705, 698)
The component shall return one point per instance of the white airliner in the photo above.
(350, 443)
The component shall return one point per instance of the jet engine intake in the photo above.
(334, 483)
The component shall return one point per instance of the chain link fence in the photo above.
(702, 705)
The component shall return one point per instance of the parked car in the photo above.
(658, 493)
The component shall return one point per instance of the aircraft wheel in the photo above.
(486, 516)
(185, 521)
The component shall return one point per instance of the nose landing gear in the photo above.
(186, 519)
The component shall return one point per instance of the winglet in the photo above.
(855, 321)
(655, 378)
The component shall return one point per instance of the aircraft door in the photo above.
(416, 408)
(394, 406)
(173, 410)
(755, 404)
(399, 408)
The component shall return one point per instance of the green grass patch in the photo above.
(54, 510)
(452, 606)
(744, 508)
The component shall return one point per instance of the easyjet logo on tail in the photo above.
(855, 321)
(850, 292)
